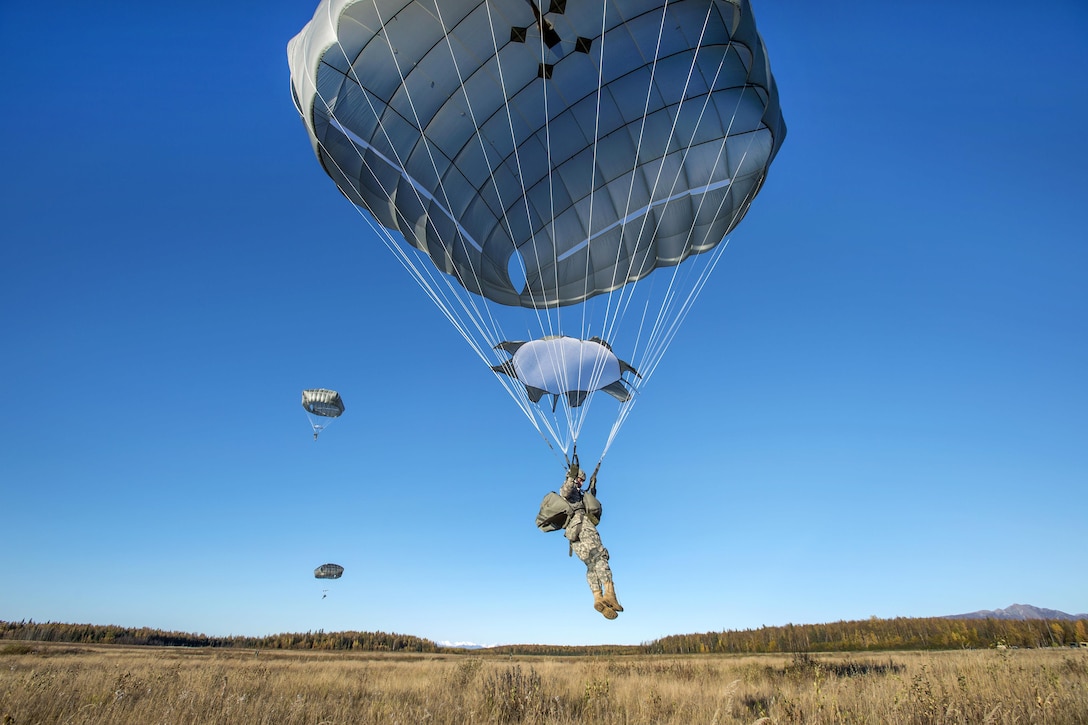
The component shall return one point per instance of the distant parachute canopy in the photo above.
(326, 403)
(328, 571)
(320, 404)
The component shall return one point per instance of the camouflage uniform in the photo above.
(584, 539)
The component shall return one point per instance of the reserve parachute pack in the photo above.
(555, 511)
(593, 507)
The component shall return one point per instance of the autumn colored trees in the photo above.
(901, 633)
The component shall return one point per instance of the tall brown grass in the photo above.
(63, 683)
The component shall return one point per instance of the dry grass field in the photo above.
(64, 683)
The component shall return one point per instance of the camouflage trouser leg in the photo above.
(590, 550)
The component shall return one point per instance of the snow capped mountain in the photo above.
(1017, 611)
(463, 645)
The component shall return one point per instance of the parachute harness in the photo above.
(573, 468)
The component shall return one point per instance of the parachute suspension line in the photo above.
(575, 415)
(652, 361)
(614, 313)
(428, 281)
(426, 277)
(547, 319)
(466, 301)
(612, 319)
(547, 322)
(616, 308)
(516, 154)
(515, 151)
(432, 290)
(662, 334)
(596, 141)
(521, 176)
(475, 124)
(517, 393)
(554, 323)
(508, 384)
(642, 127)
(544, 319)
(672, 133)
(608, 322)
(599, 362)
(495, 334)
(664, 316)
(665, 334)
(665, 338)
(672, 316)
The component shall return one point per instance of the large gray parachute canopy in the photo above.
(322, 402)
(328, 571)
(542, 155)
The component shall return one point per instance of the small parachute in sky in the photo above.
(322, 406)
(559, 365)
(328, 571)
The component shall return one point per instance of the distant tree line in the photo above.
(934, 633)
(901, 633)
(111, 634)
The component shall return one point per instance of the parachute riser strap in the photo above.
(593, 479)
(572, 462)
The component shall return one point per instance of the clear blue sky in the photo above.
(878, 407)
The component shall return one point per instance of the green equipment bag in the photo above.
(554, 513)
(593, 507)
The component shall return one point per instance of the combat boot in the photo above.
(602, 606)
(610, 597)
